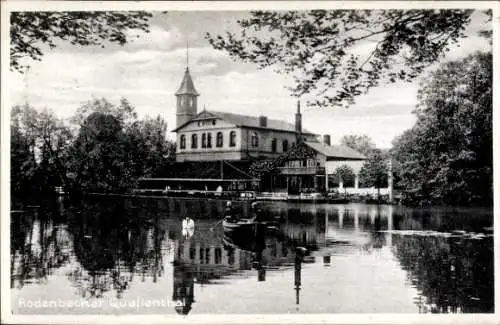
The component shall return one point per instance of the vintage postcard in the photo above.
(249, 162)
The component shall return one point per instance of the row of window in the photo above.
(206, 122)
(206, 140)
(303, 163)
(254, 140)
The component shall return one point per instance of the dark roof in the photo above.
(335, 151)
(249, 121)
(187, 85)
(204, 170)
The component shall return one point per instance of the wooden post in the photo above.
(326, 180)
(222, 169)
(389, 180)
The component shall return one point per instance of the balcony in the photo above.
(302, 170)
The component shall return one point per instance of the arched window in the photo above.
(274, 145)
(232, 139)
(203, 140)
(255, 139)
(220, 140)
(209, 140)
(183, 142)
(194, 141)
(285, 145)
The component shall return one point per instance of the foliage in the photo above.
(374, 171)
(22, 158)
(148, 147)
(98, 155)
(110, 149)
(113, 148)
(487, 33)
(136, 148)
(321, 49)
(31, 32)
(124, 112)
(299, 151)
(39, 143)
(361, 143)
(344, 173)
(447, 156)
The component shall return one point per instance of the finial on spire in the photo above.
(187, 54)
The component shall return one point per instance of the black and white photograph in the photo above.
(248, 162)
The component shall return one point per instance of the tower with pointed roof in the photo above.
(187, 98)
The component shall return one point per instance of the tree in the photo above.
(31, 32)
(22, 159)
(344, 173)
(98, 155)
(447, 156)
(55, 138)
(124, 112)
(321, 48)
(39, 144)
(113, 148)
(361, 143)
(148, 145)
(374, 171)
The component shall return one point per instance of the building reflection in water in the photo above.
(297, 276)
(202, 259)
(183, 291)
(108, 245)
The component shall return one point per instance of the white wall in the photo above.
(332, 165)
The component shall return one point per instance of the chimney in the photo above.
(298, 119)
(263, 121)
(326, 139)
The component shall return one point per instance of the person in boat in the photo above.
(256, 211)
(228, 215)
(218, 191)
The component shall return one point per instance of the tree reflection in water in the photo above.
(38, 246)
(454, 274)
(111, 247)
(106, 245)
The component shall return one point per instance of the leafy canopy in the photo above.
(361, 143)
(322, 49)
(31, 32)
(447, 156)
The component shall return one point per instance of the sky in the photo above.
(148, 70)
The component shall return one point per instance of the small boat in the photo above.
(241, 226)
(246, 234)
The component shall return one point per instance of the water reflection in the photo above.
(104, 248)
(458, 265)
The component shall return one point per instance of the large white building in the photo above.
(210, 136)
(215, 136)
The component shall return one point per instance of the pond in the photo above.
(112, 255)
